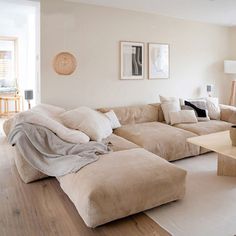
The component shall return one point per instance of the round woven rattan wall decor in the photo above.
(64, 63)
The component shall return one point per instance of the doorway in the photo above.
(20, 48)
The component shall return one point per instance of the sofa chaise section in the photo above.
(123, 183)
(163, 140)
(29, 174)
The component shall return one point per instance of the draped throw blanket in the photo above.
(46, 152)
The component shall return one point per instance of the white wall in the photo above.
(233, 43)
(92, 34)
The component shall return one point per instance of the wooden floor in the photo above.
(42, 209)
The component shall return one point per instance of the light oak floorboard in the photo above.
(43, 209)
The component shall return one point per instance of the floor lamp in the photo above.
(230, 68)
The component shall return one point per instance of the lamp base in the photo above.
(232, 95)
(29, 105)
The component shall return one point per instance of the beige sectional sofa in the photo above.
(145, 126)
(124, 182)
(135, 176)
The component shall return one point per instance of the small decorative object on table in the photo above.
(29, 95)
(233, 134)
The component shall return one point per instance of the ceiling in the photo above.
(222, 12)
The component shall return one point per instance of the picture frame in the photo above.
(158, 61)
(131, 60)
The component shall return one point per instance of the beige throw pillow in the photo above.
(168, 99)
(169, 104)
(93, 123)
(48, 110)
(213, 108)
(169, 107)
(33, 117)
(184, 116)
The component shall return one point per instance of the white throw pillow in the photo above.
(168, 107)
(111, 115)
(48, 110)
(33, 117)
(213, 108)
(168, 99)
(184, 116)
(93, 123)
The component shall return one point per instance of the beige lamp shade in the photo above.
(230, 67)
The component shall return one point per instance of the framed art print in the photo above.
(158, 61)
(132, 60)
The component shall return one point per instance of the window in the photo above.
(8, 73)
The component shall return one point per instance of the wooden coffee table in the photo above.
(221, 144)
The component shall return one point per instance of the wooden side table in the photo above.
(5, 102)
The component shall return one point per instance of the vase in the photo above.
(233, 134)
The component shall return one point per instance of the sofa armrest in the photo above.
(7, 126)
(228, 113)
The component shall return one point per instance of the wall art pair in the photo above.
(132, 55)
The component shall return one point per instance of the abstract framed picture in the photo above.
(132, 60)
(158, 61)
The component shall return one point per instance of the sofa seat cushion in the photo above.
(205, 127)
(118, 143)
(161, 139)
(123, 183)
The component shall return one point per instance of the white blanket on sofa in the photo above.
(49, 154)
(37, 117)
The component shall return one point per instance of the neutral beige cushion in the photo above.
(205, 127)
(184, 116)
(44, 109)
(123, 183)
(169, 107)
(26, 171)
(213, 108)
(134, 114)
(160, 112)
(165, 99)
(164, 140)
(118, 143)
(169, 104)
(42, 119)
(48, 110)
(228, 113)
(93, 123)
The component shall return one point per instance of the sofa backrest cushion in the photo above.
(228, 113)
(135, 114)
(160, 116)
